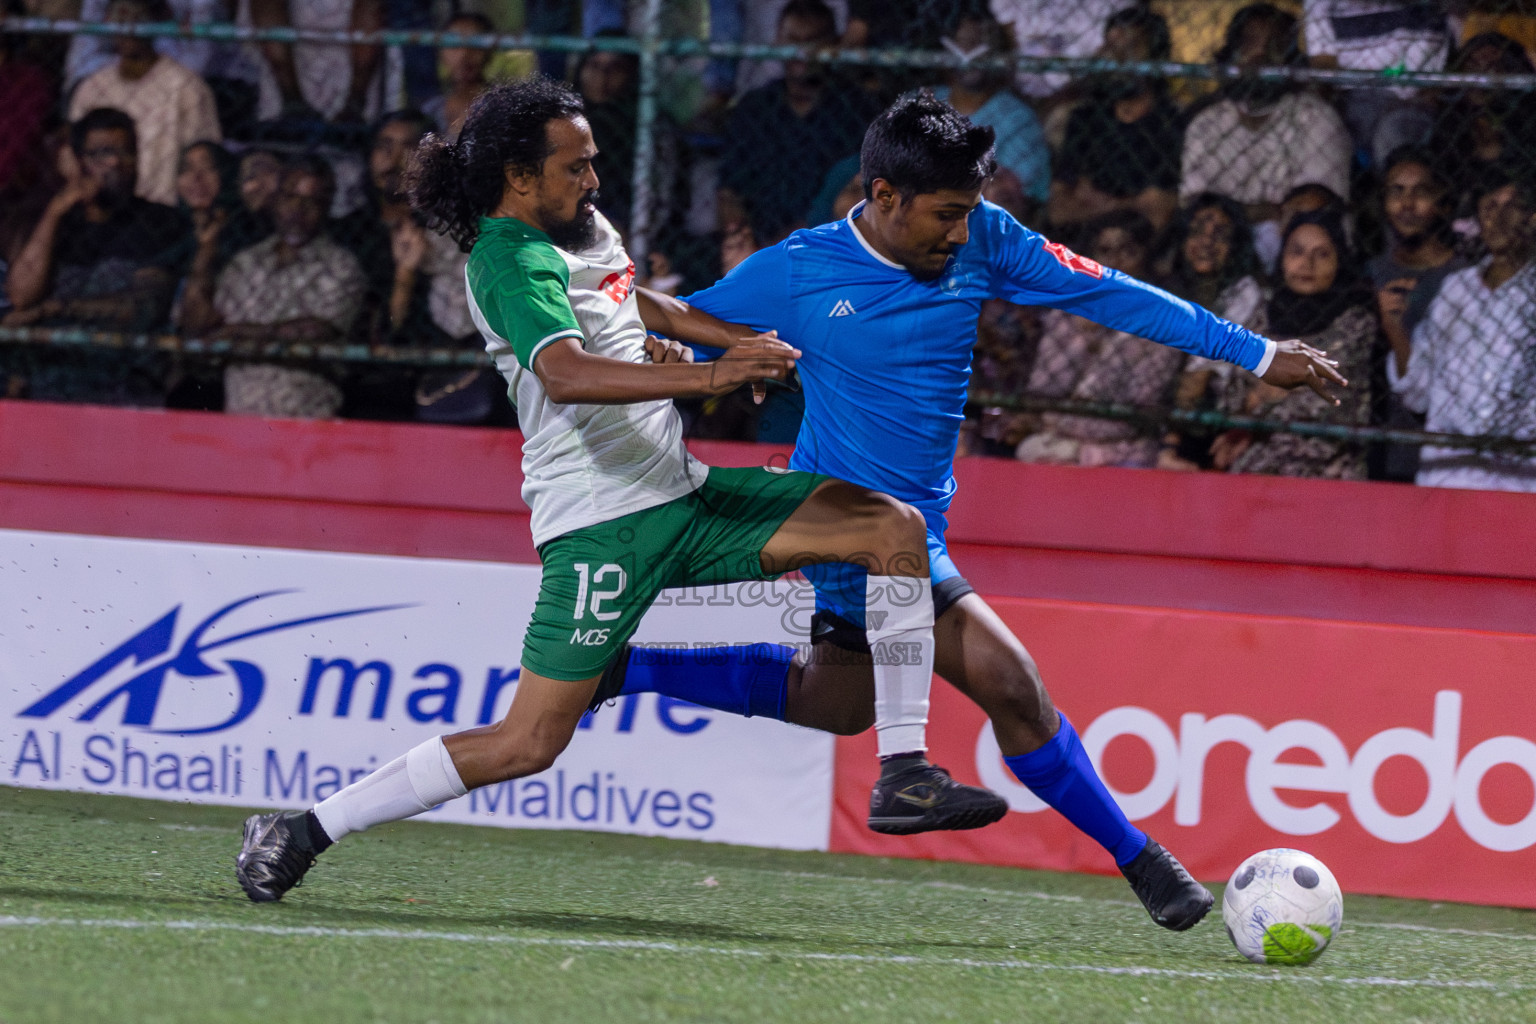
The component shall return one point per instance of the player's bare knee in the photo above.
(899, 537)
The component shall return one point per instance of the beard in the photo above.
(576, 234)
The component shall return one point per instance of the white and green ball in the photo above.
(1282, 907)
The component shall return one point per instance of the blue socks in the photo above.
(743, 679)
(1061, 774)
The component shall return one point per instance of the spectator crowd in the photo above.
(255, 192)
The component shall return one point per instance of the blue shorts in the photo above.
(840, 587)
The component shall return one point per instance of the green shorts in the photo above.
(600, 580)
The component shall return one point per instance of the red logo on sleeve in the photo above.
(616, 286)
(1072, 261)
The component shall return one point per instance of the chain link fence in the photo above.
(200, 208)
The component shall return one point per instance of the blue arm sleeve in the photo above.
(756, 293)
(1031, 271)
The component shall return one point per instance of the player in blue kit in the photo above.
(883, 307)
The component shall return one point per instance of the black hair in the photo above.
(316, 166)
(1132, 222)
(154, 10)
(1513, 60)
(228, 167)
(483, 25)
(98, 120)
(921, 144)
(454, 184)
(1421, 157)
(1330, 198)
(1502, 173)
(1243, 260)
(1150, 24)
(1282, 22)
(810, 10)
(406, 115)
(632, 59)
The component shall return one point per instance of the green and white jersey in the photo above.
(582, 464)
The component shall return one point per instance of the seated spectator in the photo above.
(917, 24)
(321, 81)
(463, 70)
(227, 67)
(99, 256)
(1087, 361)
(1416, 204)
(1214, 266)
(1122, 143)
(984, 97)
(297, 285)
(1480, 129)
(1259, 139)
(415, 293)
(609, 83)
(1309, 197)
(1049, 28)
(171, 106)
(1471, 364)
(1321, 300)
(1375, 35)
(1421, 254)
(783, 137)
(260, 172)
(208, 193)
(27, 97)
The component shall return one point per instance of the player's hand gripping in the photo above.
(1296, 363)
(665, 350)
(761, 358)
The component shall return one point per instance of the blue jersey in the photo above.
(887, 357)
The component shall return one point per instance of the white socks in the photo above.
(900, 632)
(417, 781)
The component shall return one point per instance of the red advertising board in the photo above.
(1402, 756)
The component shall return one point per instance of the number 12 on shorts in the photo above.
(584, 590)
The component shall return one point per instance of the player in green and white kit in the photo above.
(620, 509)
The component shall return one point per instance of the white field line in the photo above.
(1019, 894)
(1056, 897)
(642, 945)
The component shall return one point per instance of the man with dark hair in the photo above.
(620, 509)
(1121, 146)
(1417, 205)
(296, 285)
(984, 96)
(883, 306)
(1263, 137)
(415, 291)
(99, 256)
(1470, 365)
(783, 137)
(171, 106)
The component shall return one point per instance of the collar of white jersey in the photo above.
(864, 241)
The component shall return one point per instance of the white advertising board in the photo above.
(270, 678)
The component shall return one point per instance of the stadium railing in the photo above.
(1097, 404)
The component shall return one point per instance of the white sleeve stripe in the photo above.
(1270, 348)
(567, 333)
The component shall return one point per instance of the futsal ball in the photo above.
(1282, 907)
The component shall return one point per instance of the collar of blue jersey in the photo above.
(864, 241)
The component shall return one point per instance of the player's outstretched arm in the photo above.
(573, 376)
(674, 318)
(1296, 364)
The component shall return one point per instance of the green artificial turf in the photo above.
(114, 909)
